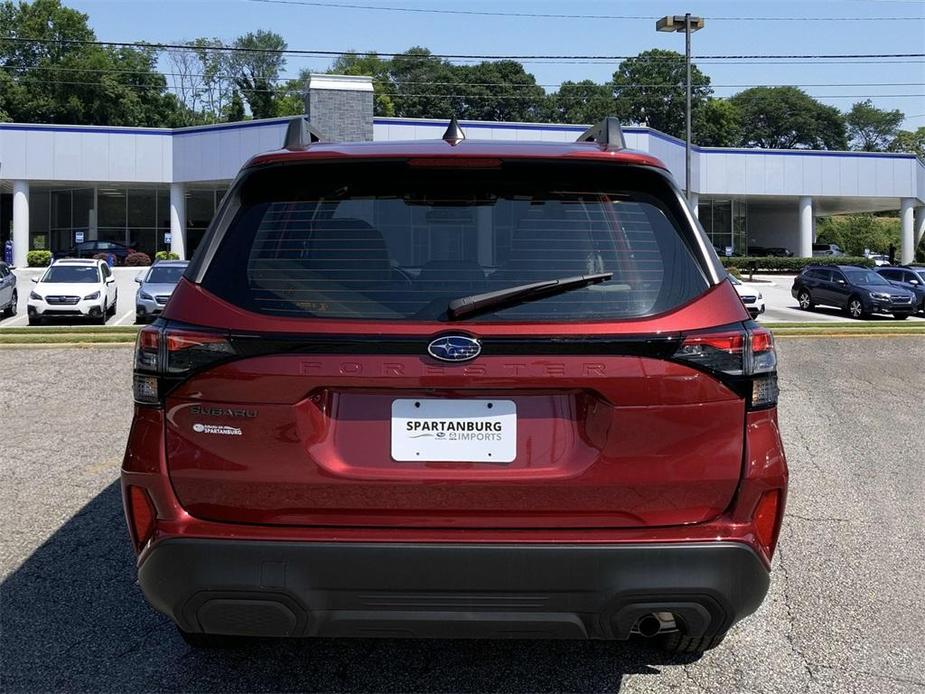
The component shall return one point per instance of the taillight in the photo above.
(767, 520)
(141, 515)
(166, 354)
(744, 357)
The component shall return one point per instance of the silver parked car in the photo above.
(155, 287)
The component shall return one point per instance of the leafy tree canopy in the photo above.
(256, 69)
(872, 129)
(78, 83)
(910, 141)
(580, 102)
(788, 118)
(650, 90)
(717, 123)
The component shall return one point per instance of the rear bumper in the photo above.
(264, 588)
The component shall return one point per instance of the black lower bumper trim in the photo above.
(449, 590)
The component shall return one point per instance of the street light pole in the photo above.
(688, 24)
(687, 139)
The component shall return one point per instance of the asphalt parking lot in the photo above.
(843, 615)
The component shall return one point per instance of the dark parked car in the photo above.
(88, 249)
(455, 389)
(859, 291)
(8, 295)
(910, 278)
(774, 252)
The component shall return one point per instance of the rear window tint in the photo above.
(388, 242)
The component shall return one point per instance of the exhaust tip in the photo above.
(649, 625)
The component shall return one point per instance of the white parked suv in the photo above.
(750, 296)
(77, 288)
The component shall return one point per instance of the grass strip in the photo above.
(70, 329)
(70, 338)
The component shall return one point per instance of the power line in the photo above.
(431, 95)
(549, 15)
(469, 84)
(448, 56)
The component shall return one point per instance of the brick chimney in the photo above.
(341, 106)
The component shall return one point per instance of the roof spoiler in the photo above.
(300, 134)
(607, 133)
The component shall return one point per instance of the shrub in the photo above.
(137, 259)
(101, 256)
(734, 271)
(38, 258)
(773, 264)
(166, 255)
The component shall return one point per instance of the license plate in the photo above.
(465, 431)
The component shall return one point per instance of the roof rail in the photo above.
(300, 134)
(607, 133)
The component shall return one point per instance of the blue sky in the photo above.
(325, 28)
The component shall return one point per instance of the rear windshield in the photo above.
(168, 274)
(389, 241)
(72, 274)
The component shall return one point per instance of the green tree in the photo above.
(582, 102)
(61, 80)
(234, 110)
(425, 86)
(498, 91)
(788, 118)
(256, 67)
(910, 141)
(871, 129)
(650, 90)
(372, 65)
(717, 123)
(856, 233)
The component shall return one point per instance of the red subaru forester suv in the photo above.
(455, 389)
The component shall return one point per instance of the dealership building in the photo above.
(158, 188)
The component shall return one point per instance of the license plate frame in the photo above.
(454, 430)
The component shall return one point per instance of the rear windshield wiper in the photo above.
(476, 303)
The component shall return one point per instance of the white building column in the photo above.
(807, 227)
(918, 226)
(178, 219)
(907, 247)
(694, 202)
(20, 222)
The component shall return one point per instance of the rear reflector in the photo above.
(141, 515)
(767, 521)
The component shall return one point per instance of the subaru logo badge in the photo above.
(454, 348)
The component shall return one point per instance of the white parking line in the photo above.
(20, 319)
(128, 314)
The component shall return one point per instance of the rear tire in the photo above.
(678, 642)
(900, 316)
(35, 320)
(10, 310)
(213, 640)
(805, 300)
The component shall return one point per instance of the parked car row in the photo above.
(899, 291)
(86, 288)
